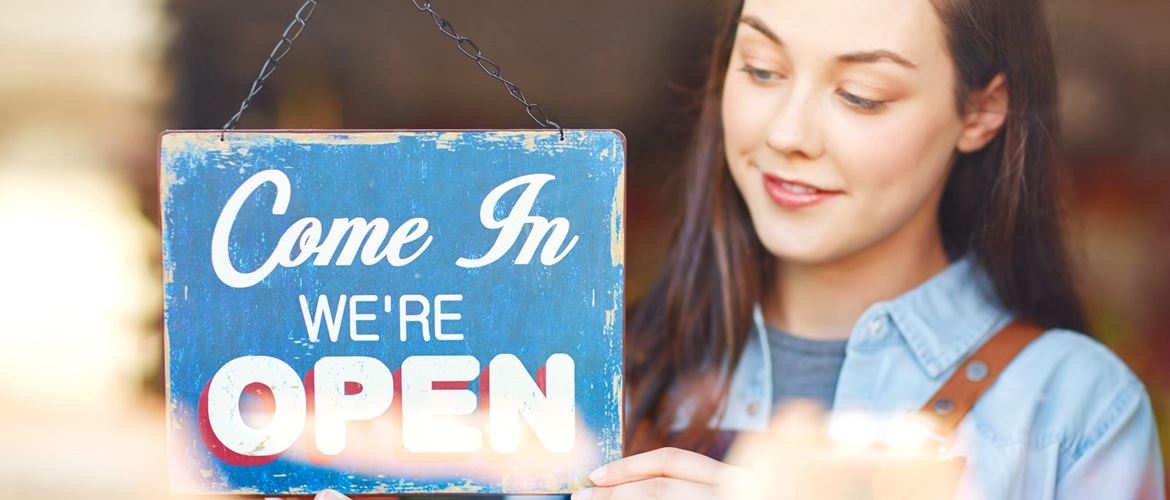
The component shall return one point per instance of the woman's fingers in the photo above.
(661, 463)
(656, 487)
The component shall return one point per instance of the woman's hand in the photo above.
(796, 458)
(661, 473)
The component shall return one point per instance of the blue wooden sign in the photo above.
(393, 311)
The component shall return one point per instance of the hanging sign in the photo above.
(393, 311)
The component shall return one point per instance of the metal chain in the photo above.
(469, 49)
(294, 29)
(464, 44)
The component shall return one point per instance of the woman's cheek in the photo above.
(897, 155)
(890, 168)
(745, 117)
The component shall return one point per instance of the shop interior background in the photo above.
(86, 87)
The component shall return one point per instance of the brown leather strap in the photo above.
(956, 397)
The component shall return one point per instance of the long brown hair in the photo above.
(1000, 206)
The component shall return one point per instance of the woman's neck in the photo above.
(824, 300)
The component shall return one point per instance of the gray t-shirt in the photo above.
(804, 368)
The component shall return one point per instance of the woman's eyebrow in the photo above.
(763, 28)
(870, 56)
(873, 56)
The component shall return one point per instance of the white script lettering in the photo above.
(303, 239)
(344, 240)
(520, 215)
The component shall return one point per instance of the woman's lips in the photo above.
(795, 194)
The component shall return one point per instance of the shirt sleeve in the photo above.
(1119, 457)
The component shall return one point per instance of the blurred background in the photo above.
(86, 87)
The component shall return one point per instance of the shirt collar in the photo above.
(943, 318)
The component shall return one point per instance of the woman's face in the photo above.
(840, 123)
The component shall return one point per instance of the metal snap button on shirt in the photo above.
(753, 408)
(944, 407)
(976, 371)
(876, 328)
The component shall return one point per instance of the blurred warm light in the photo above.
(79, 286)
(854, 431)
(76, 293)
(46, 45)
(806, 453)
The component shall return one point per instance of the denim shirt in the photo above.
(1066, 419)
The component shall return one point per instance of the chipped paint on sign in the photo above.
(617, 230)
(445, 140)
(380, 247)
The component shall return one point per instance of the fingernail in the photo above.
(330, 495)
(597, 475)
(582, 494)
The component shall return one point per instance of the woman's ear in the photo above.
(987, 110)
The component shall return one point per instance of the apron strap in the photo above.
(956, 397)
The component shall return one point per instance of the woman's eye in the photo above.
(760, 75)
(861, 102)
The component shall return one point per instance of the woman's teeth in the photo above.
(796, 188)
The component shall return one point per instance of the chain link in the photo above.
(294, 29)
(464, 44)
(469, 49)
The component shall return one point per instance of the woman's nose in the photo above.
(794, 129)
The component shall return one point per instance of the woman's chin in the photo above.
(805, 253)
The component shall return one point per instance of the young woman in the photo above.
(871, 195)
